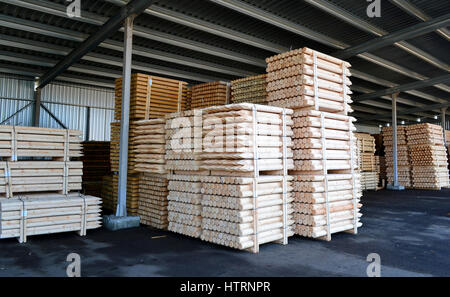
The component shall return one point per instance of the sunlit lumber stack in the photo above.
(115, 147)
(246, 199)
(60, 144)
(96, 164)
(250, 89)
(47, 214)
(150, 162)
(210, 94)
(21, 177)
(151, 97)
(367, 162)
(428, 156)
(291, 78)
(183, 146)
(326, 184)
(403, 161)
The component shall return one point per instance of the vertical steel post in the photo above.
(443, 111)
(37, 107)
(125, 118)
(394, 137)
(88, 124)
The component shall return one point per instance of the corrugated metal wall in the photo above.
(68, 102)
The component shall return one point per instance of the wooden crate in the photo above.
(18, 178)
(48, 214)
(210, 94)
(151, 97)
(250, 89)
(17, 142)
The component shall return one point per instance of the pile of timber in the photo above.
(326, 184)
(246, 198)
(189, 99)
(96, 164)
(383, 168)
(250, 89)
(305, 78)
(210, 94)
(151, 97)
(428, 156)
(59, 144)
(19, 174)
(367, 161)
(183, 147)
(403, 161)
(150, 158)
(47, 214)
(115, 147)
(110, 192)
(107, 193)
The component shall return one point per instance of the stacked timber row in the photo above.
(428, 156)
(189, 99)
(150, 157)
(210, 94)
(367, 161)
(96, 164)
(151, 97)
(47, 214)
(250, 89)
(403, 161)
(183, 147)
(60, 174)
(326, 183)
(246, 198)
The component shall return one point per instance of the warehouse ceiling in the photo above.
(207, 40)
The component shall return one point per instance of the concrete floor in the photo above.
(410, 230)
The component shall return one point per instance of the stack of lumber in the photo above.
(246, 199)
(150, 157)
(383, 168)
(189, 99)
(183, 147)
(428, 156)
(367, 161)
(403, 162)
(250, 89)
(115, 147)
(210, 94)
(19, 174)
(110, 192)
(326, 184)
(21, 177)
(59, 144)
(291, 81)
(151, 97)
(96, 164)
(47, 214)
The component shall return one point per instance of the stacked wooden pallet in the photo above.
(250, 89)
(428, 156)
(47, 214)
(403, 161)
(151, 97)
(153, 181)
(326, 183)
(367, 161)
(183, 147)
(96, 164)
(246, 199)
(210, 94)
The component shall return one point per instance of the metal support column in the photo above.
(125, 118)
(37, 107)
(88, 124)
(395, 185)
(443, 111)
